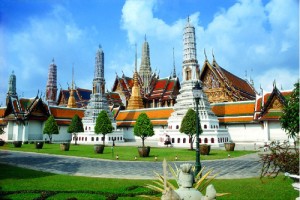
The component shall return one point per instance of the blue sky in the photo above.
(257, 36)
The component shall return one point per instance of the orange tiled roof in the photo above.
(234, 108)
(132, 123)
(63, 112)
(158, 116)
(158, 113)
(2, 111)
(235, 119)
(63, 122)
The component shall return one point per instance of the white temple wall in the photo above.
(246, 132)
(4, 136)
(63, 135)
(276, 133)
(35, 130)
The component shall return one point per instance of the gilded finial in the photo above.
(174, 68)
(135, 68)
(205, 54)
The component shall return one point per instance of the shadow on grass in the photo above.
(12, 172)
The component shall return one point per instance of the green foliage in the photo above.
(188, 125)
(20, 183)
(51, 127)
(143, 127)
(76, 125)
(103, 124)
(282, 158)
(127, 152)
(290, 117)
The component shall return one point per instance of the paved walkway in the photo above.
(231, 168)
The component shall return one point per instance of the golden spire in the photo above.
(135, 101)
(71, 100)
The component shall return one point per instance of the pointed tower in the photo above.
(12, 82)
(71, 100)
(145, 68)
(12, 88)
(135, 101)
(98, 101)
(185, 100)
(174, 68)
(51, 88)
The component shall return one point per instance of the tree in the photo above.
(290, 117)
(50, 127)
(75, 127)
(188, 126)
(143, 127)
(103, 125)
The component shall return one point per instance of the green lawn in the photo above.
(127, 152)
(19, 183)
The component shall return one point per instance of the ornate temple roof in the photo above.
(164, 89)
(270, 105)
(82, 97)
(25, 109)
(216, 80)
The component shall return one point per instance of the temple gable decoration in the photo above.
(222, 86)
(272, 109)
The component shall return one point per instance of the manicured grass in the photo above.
(127, 152)
(19, 183)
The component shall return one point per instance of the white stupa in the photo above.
(212, 134)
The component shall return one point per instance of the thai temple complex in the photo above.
(230, 108)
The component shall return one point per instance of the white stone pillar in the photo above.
(25, 133)
(266, 131)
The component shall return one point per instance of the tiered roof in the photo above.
(160, 89)
(25, 109)
(165, 89)
(82, 97)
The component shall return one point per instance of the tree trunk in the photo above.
(75, 138)
(103, 139)
(191, 143)
(50, 138)
(143, 141)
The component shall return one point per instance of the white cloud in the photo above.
(247, 36)
(138, 20)
(284, 79)
(31, 49)
(250, 35)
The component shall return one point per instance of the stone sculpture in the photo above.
(186, 190)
